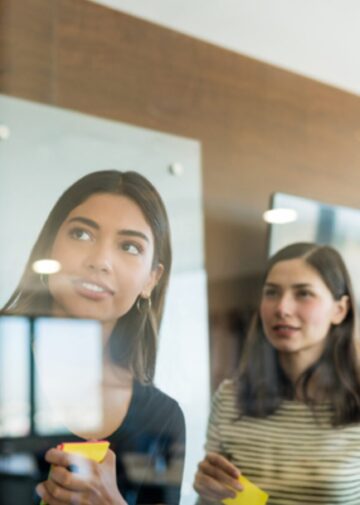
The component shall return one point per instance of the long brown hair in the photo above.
(261, 382)
(133, 342)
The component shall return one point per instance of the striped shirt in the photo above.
(292, 455)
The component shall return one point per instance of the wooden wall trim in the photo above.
(27, 49)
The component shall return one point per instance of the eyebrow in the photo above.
(298, 285)
(93, 224)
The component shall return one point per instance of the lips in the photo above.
(92, 290)
(93, 287)
(285, 329)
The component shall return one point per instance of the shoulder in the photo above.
(161, 408)
(226, 391)
(152, 395)
(224, 401)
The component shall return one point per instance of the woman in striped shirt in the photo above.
(290, 420)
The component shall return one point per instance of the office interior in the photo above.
(255, 129)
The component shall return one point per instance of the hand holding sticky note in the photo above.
(96, 451)
(251, 494)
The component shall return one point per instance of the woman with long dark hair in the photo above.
(110, 235)
(290, 420)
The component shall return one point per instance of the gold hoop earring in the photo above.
(141, 304)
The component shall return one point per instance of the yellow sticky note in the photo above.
(251, 495)
(96, 451)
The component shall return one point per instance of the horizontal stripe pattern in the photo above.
(293, 455)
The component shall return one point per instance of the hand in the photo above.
(217, 478)
(92, 484)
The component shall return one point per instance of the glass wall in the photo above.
(46, 151)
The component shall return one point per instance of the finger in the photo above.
(109, 461)
(110, 457)
(217, 473)
(62, 458)
(47, 498)
(211, 489)
(223, 463)
(83, 468)
(68, 480)
(58, 493)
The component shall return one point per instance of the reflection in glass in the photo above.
(50, 148)
(68, 361)
(14, 377)
(63, 379)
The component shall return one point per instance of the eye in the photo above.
(132, 248)
(270, 292)
(80, 234)
(304, 293)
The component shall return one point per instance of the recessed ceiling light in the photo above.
(47, 267)
(280, 216)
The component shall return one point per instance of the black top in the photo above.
(149, 447)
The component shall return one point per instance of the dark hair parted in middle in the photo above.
(262, 383)
(133, 341)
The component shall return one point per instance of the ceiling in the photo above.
(316, 38)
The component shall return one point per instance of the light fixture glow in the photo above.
(47, 267)
(4, 132)
(280, 216)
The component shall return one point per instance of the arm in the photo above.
(174, 448)
(177, 454)
(93, 483)
(216, 477)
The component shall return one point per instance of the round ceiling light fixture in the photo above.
(46, 266)
(280, 216)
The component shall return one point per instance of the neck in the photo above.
(113, 375)
(116, 376)
(106, 331)
(295, 364)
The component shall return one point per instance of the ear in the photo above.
(154, 277)
(342, 307)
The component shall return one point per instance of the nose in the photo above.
(285, 305)
(99, 258)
